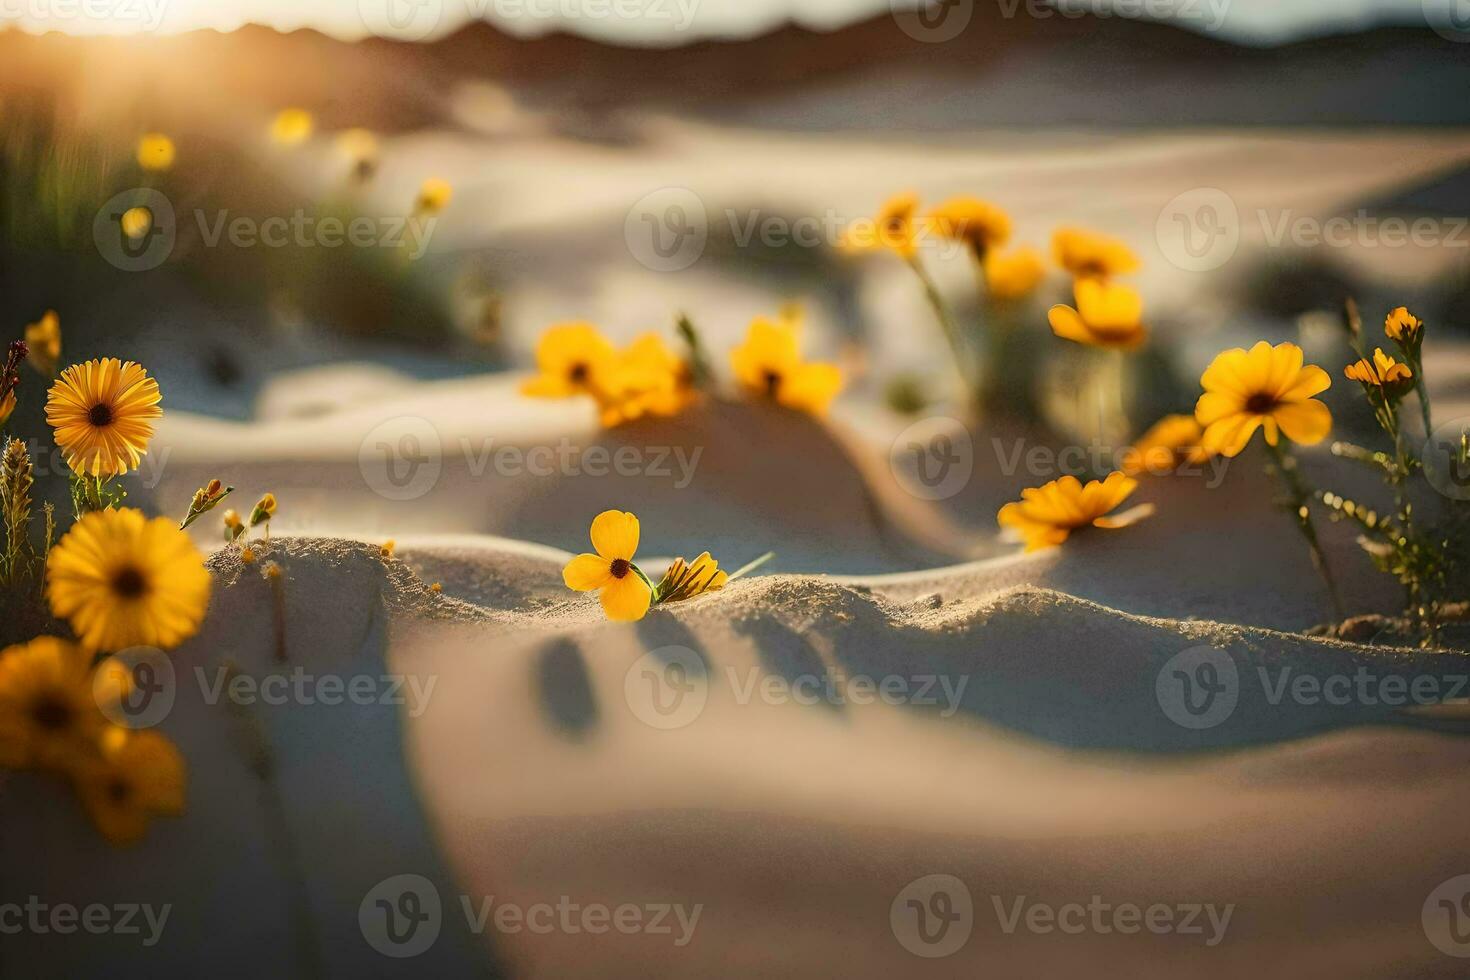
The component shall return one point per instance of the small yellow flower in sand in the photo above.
(1086, 254)
(1107, 315)
(769, 365)
(103, 414)
(436, 587)
(291, 126)
(155, 152)
(136, 221)
(132, 777)
(264, 510)
(1047, 515)
(206, 498)
(573, 359)
(1265, 387)
(1403, 326)
(122, 580)
(43, 339)
(1382, 372)
(234, 527)
(625, 592)
(247, 555)
(981, 226)
(894, 228)
(1172, 442)
(685, 580)
(387, 549)
(50, 699)
(271, 571)
(435, 194)
(1014, 274)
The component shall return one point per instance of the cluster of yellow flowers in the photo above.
(646, 378)
(1108, 313)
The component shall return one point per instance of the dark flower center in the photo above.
(578, 373)
(129, 583)
(1260, 403)
(773, 383)
(51, 713)
(620, 567)
(118, 790)
(100, 415)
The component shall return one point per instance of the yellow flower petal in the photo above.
(626, 599)
(587, 572)
(615, 535)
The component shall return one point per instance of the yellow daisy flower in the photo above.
(102, 412)
(122, 580)
(624, 590)
(978, 224)
(1381, 372)
(573, 359)
(1014, 274)
(769, 365)
(1265, 387)
(50, 702)
(685, 580)
(155, 152)
(134, 776)
(1173, 441)
(434, 196)
(1087, 254)
(894, 228)
(43, 338)
(1047, 515)
(1403, 326)
(292, 126)
(650, 379)
(1108, 315)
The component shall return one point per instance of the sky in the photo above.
(680, 21)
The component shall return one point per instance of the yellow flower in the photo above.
(625, 593)
(247, 555)
(1403, 326)
(206, 498)
(894, 228)
(434, 196)
(1107, 315)
(234, 527)
(436, 587)
(360, 147)
(573, 359)
(1086, 254)
(1046, 516)
(102, 412)
(122, 580)
(50, 701)
(1381, 372)
(271, 571)
(979, 225)
(136, 222)
(649, 379)
(769, 365)
(291, 126)
(1014, 274)
(1264, 387)
(43, 338)
(155, 152)
(134, 776)
(387, 549)
(1175, 440)
(685, 580)
(264, 510)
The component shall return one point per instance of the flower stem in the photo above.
(946, 322)
(751, 566)
(1300, 495)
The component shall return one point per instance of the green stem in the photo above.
(946, 322)
(1300, 495)
(751, 566)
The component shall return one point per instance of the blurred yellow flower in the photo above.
(387, 548)
(1087, 254)
(1403, 326)
(1381, 372)
(1265, 387)
(132, 777)
(894, 228)
(1014, 274)
(247, 555)
(574, 359)
(1047, 515)
(981, 226)
(264, 510)
(649, 379)
(234, 527)
(625, 592)
(155, 152)
(50, 701)
(43, 338)
(685, 580)
(291, 126)
(122, 580)
(1108, 315)
(769, 365)
(103, 414)
(1173, 441)
(136, 221)
(434, 196)
(7, 406)
(360, 147)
